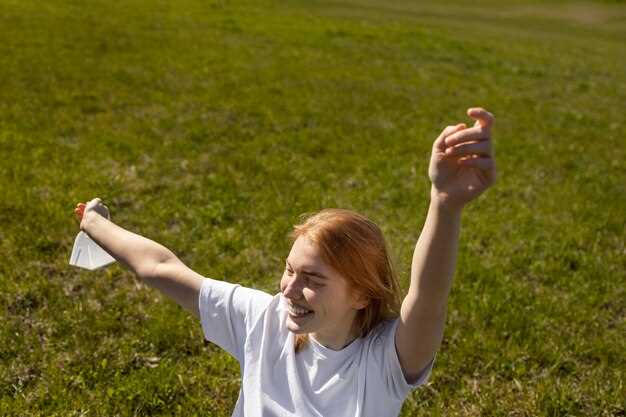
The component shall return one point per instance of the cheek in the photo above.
(313, 296)
(339, 302)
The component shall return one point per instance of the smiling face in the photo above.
(319, 299)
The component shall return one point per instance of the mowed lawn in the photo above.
(210, 126)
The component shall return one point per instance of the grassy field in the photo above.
(209, 126)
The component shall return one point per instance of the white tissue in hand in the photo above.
(87, 254)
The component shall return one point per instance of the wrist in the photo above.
(443, 204)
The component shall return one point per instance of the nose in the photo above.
(293, 288)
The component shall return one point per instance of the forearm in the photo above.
(460, 170)
(434, 260)
(136, 252)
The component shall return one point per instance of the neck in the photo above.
(332, 345)
(334, 342)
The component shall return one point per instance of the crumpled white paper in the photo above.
(87, 254)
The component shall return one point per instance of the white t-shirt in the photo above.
(364, 379)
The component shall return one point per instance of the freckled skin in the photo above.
(334, 308)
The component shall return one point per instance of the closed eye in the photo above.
(315, 282)
(309, 279)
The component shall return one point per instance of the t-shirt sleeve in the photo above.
(227, 313)
(386, 364)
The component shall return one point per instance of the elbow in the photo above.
(147, 272)
(154, 271)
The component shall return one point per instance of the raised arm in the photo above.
(461, 168)
(153, 263)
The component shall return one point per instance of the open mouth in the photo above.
(296, 311)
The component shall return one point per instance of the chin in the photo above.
(295, 328)
(297, 331)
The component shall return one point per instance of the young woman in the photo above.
(336, 340)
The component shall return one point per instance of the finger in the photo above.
(93, 203)
(440, 141)
(471, 134)
(483, 163)
(453, 128)
(482, 116)
(469, 148)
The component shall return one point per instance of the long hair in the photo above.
(355, 247)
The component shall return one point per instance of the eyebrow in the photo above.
(313, 273)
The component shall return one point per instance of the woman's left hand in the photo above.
(462, 164)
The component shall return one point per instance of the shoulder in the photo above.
(382, 331)
(268, 336)
(380, 339)
(384, 364)
(264, 310)
(221, 298)
(221, 290)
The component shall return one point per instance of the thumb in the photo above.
(80, 210)
(482, 117)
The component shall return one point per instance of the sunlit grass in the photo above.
(210, 126)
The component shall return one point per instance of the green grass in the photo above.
(210, 126)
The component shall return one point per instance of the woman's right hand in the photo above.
(94, 205)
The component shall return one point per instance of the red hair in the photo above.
(354, 246)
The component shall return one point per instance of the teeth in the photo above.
(297, 311)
